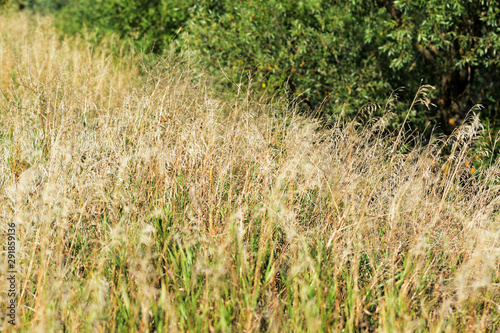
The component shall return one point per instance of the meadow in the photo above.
(144, 201)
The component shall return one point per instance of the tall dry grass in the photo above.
(145, 203)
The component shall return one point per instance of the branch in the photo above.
(427, 55)
(436, 51)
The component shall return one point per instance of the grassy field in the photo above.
(144, 202)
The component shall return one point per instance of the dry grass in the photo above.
(145, 203)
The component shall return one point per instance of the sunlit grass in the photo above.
(146, 203)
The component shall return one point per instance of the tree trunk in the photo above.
(455, 101)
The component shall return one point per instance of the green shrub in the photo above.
(340, 55)
(314, 46)
(359, 51)
(454, 45)
(150, 24)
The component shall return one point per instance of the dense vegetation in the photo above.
(338, 54)
(147, 200)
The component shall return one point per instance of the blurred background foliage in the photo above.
(340, 55)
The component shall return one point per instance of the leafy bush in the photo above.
(314, 46)
(453, 45)
(337, 54)
(360, 50)
(150, 24)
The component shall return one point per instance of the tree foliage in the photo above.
(337, 54)
(454, 45)
(314, 46)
